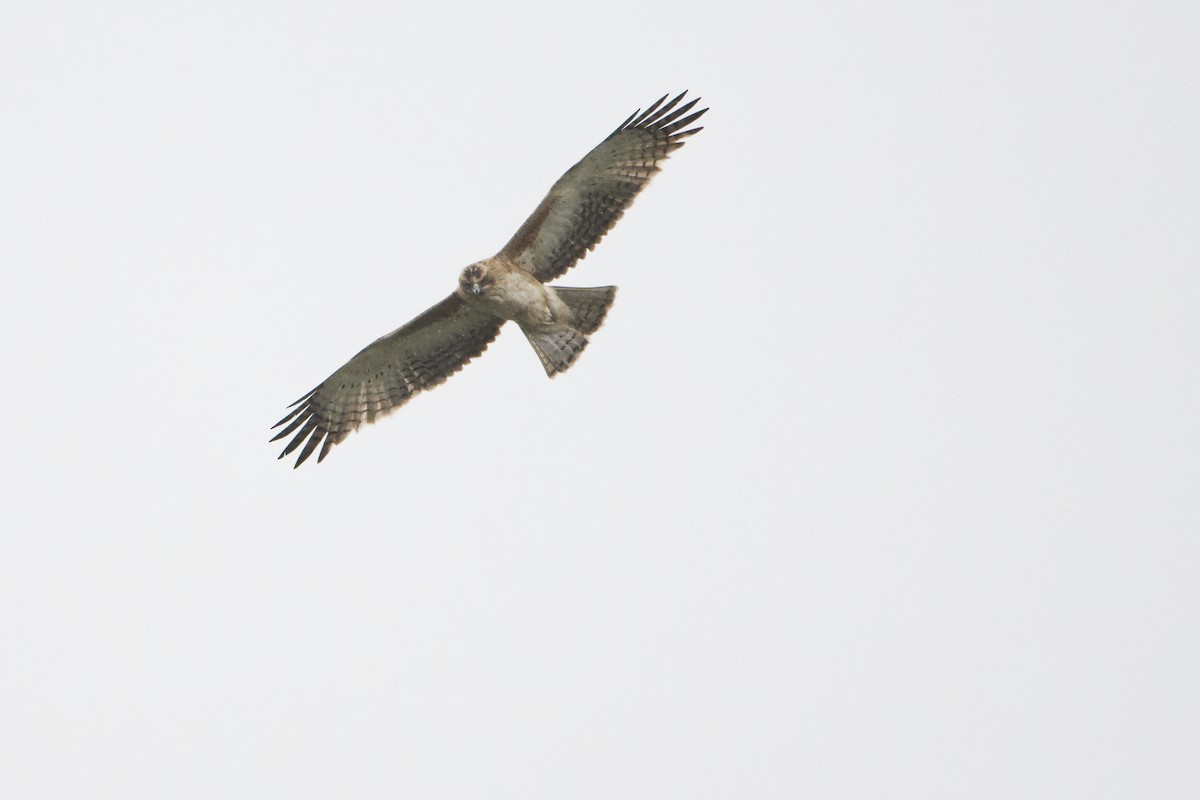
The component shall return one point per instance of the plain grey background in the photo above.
(880, 480)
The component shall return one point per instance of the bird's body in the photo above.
(510, 286)
(557, 331)
(511, 293)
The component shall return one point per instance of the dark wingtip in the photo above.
(628, 119)
(306, 396)
(649, 111)
(657, 115)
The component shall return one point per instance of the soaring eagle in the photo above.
(580, 208)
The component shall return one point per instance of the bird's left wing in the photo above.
(591, 196)
(386, 373)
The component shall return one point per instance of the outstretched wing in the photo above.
(592, 195)
(386, 373)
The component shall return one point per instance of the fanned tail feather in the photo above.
(588, 306)
(557, 349)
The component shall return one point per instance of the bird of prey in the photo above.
(581, 207)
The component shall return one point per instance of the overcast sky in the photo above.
(882, 478)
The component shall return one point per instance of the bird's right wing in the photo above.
(386, 373)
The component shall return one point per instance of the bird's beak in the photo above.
(475, 288)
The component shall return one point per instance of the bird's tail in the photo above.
(557, 349)
(588, 306)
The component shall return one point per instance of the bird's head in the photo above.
(475, 279)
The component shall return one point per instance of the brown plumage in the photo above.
(580, 208)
